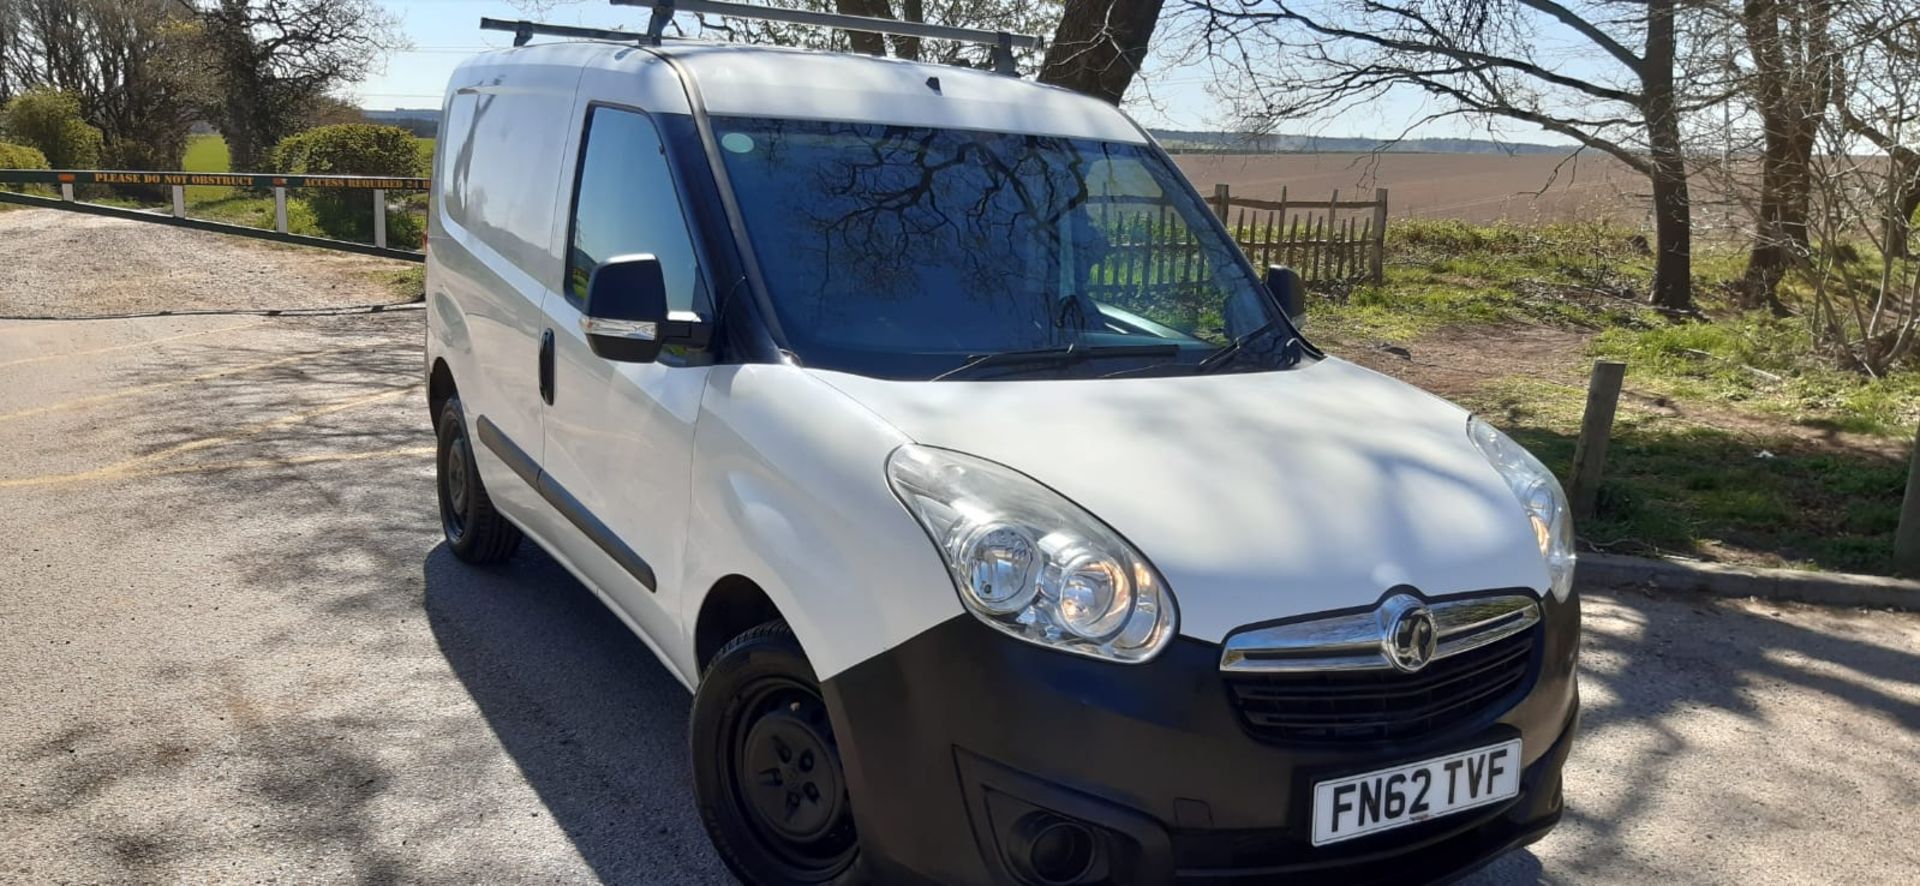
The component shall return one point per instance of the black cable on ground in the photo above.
(413, 305)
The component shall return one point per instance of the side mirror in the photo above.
(626, 317)
(1289, 290)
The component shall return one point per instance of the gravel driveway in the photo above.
(63, 264)
(233, 650)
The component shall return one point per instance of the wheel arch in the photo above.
(440, 387)
(734, 605)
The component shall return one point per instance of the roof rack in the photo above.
(1003, 43)
(524, 31)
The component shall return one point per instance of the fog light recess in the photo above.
(1049, 850)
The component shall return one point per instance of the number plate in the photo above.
(1357, 805)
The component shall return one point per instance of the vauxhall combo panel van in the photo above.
(992, 548)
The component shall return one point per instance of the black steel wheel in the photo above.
(475, 531)
(767, 769)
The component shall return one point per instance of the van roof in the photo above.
(734, 79)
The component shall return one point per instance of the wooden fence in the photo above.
(1152, 253)
(1331, 240)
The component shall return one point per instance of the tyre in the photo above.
(475, 531)
(766, 768)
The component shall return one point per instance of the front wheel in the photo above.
(766, 768)
(475, 531)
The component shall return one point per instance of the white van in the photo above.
(996, 541)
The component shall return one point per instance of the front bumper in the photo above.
(953, 737)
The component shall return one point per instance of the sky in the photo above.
(444, 32)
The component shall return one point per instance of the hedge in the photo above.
(50, 120)
(14, 156)
(352, 149)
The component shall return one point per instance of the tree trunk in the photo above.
(1667, 169)
(1791, 101)
(1673, 238)
(1099, 46)
(865, 42)
(1780, 234)
(909, 47)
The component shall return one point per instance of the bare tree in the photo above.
(1601, 72)
(1781, 71)
(272, 59)
(1100, 45)
(1097, 46)
(129, 62)
(1865, 312)
(1874, 76)
(1013, 16)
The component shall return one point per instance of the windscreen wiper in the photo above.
(1226, 354)
(1063, 355)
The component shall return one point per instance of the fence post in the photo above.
(179, 201)
(380, 218)
(1378, 270)
(1221, 198)
(66, 191)
(1906, 539)
(1590, 451)
(280, 209)
(1333, 217)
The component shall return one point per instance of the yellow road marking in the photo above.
(163, 385)
(137, 467)
(242, 465)
(138, 344)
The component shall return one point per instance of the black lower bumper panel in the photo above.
(974, 758)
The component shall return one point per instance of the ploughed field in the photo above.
(1477, 188)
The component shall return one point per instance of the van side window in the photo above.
(458, 164)
(625, 203)
(510, 185)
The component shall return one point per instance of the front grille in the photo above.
(1318, 707)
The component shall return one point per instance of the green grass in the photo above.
(1676, 487)
(409, 284)
(1447, 273)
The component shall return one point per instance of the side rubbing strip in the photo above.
(602, 534)
(515, 457)
(564, 502)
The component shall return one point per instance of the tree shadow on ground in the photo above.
(1682, 694)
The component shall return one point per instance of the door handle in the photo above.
(546, 366)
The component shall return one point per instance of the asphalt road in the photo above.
(232, 649)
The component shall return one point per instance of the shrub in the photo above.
(21, 157)
(49, 120)
(352, 149)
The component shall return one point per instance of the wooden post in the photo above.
(1590, 451)
(179, 201)
(1378, 269)
(1282, 211)
(280, 210)
(1221, 198)
(1906, 539)
(380, 218)
(1333, 215)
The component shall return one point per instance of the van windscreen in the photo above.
(910, 252)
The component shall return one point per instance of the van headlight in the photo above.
(1031, 563)
(1540, 497)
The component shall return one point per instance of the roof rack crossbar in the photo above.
(1003, 43)
(525, 30)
